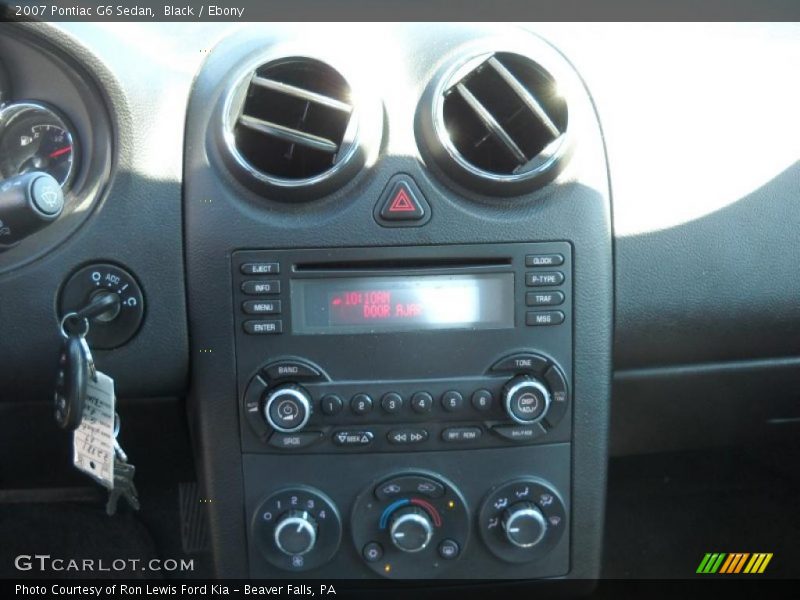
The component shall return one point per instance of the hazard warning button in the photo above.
(402, 204)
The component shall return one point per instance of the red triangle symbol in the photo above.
(402, 203)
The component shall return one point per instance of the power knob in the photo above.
(526, 399)
(411, 530)
(524, 525)
(287, 408)
(296, 533)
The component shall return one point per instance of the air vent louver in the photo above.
(500, 120)
(294, 123)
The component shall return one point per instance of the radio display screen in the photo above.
(402, 303)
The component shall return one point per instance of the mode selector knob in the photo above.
(295, 533)
(524, 525)
(287, 408)
(526, 399)
(411, 529)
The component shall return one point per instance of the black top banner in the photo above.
(401, 10)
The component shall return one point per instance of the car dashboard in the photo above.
(385, 306)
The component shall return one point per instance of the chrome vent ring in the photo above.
(291, 128)
(500, 125)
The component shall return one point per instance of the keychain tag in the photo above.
(93, 440)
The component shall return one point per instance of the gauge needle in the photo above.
(60, 151)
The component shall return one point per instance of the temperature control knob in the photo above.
(287, 408)
(296, 533)
(526, 399)
(411, 529)
(524, 525)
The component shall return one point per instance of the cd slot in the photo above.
(401, 264)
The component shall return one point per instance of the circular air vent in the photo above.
(292, 128)
(499, 124)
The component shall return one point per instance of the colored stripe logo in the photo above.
(734, 563)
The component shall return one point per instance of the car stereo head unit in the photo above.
(403, 348)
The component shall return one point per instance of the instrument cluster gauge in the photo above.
(34, 137)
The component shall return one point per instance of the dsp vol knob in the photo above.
(287, 408)
(526, 399)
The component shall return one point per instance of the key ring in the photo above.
(69, 317)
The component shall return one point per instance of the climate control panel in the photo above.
(293, 405)
(416, 523)
(410, 525)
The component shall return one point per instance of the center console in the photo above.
(401, 342)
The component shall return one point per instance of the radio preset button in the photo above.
(407, 436)
(461, 434)
(290, 369)
(261, 288)
(353, 438)
(544, 318)
(482, 400)
(268, 327)
(392, 402)
(544, 260)
(544, 298)
(361, 404)
(452, 401)
(544, 279)
(291, 441)
(331, 404)
(532, 363)
(261, 268)
(262, 307)
(422, 402)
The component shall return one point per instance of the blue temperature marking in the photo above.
(389, 509)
